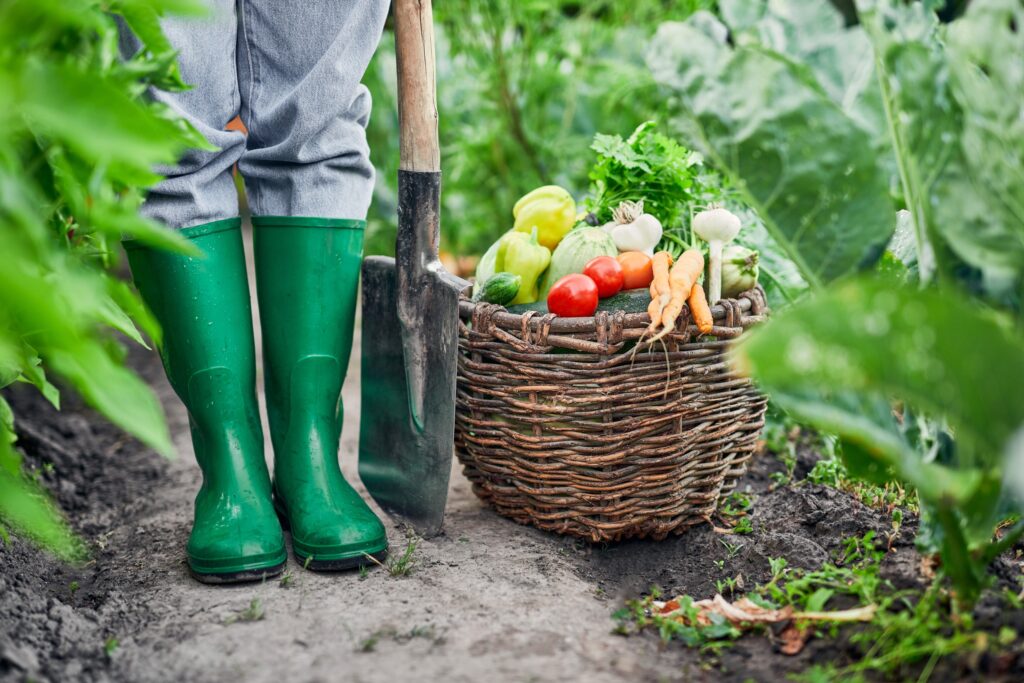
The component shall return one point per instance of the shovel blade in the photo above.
(405, 454)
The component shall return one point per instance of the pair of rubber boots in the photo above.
(307, 273)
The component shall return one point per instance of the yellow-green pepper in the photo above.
(550, 209)
(520, 253)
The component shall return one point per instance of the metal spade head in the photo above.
(409, 347)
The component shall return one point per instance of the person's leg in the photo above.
(200, 187)
(310, 180)
(299, 72)
(203, 306)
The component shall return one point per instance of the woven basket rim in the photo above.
(606, 331)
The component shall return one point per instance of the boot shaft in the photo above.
(202, 303)
(307, 280)
(203, 306)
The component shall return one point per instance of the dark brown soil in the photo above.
(807, 525)
(55, 619)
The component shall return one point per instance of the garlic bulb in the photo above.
(634, 230)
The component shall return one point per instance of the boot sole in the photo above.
(357, 562)
(245, 576)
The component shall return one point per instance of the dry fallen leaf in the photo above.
(743, 610)
(666, 607)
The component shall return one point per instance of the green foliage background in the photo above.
(889, 147)
(77, 146)
(523, 86)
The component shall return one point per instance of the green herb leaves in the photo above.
(649, 166)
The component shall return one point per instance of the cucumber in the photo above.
(499, 288)
(628, 300)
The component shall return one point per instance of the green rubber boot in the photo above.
(203, 306)
(307, 277)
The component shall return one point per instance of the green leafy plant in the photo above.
(782, 436)
(896, 132)
(738, 504)
(396, 565)
(78, 143)
(890, 494)
(402, 565)
(254, 612)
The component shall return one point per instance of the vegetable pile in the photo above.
(644, 214)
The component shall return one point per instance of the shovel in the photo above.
(411, 311)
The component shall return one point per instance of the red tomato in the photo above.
(606, 273)
(573, 296)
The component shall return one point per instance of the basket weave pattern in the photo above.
(572, 426)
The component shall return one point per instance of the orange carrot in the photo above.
(661, 289)
(654, 308)
(682, 278)
(699, 309)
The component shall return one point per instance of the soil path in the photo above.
(486, 600)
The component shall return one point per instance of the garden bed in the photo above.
(487, 595)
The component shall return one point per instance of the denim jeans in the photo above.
(292, 71)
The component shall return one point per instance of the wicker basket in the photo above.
(570, 425)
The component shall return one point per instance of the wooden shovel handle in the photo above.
(417, 86)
